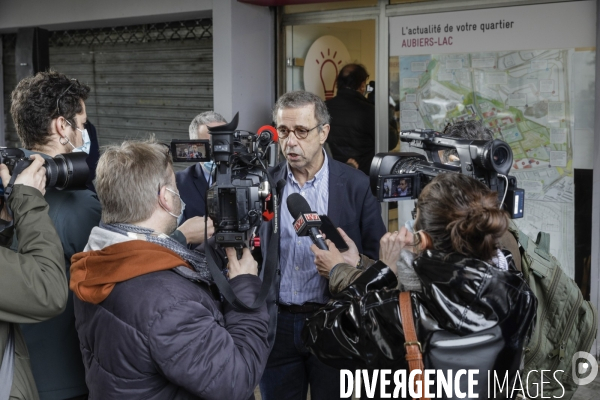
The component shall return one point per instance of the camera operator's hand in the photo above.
(245, 265)
(391, 245)
(351, 256)
(193, 229)
(34, 175)
(326, 260)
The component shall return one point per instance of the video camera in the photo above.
(237, 199)
(402, 176)
(65, 171)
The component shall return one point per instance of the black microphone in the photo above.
(307, 222)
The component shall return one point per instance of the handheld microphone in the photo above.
(307, 222)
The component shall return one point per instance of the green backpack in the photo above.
(565, 322)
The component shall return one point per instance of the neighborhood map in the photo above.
(524, 98)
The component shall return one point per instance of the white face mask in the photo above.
(85, 147)
(180, 216)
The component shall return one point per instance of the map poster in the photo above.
(527, 96)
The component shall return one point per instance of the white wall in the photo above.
(244, 62)
(77, 14)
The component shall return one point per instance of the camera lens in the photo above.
(67, 171)
(499, 156)
(495, 155)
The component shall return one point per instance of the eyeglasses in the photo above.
(299, 132)
(62, 94)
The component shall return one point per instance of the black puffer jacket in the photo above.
(352, 133)
(464, 300)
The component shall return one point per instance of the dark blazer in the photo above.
(192, 187)
(351, 207)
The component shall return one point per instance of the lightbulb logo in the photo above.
(328, 72)
(584, 368)
(326, 56)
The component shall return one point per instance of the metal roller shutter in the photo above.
(145, 79)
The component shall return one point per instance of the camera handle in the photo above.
(8, 191)
(269, 274)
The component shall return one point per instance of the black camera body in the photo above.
(237, 198)
(65, 171)
(402, 176)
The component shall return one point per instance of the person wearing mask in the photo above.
(352, 135)
(331, 188)
(150, 321)
(33, 286)
(49, 112)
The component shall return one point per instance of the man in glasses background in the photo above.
(48, 110)
(330, 187)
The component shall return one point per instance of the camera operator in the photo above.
(469, 286)
(49, 112)
(33, 287)
(149, 319)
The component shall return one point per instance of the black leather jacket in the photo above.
(470, 315)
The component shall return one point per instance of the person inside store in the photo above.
(49, 113)
(330, 187)
(33, 286)
(352, 135)
(150, 322)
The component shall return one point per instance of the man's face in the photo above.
(203, 130)
(402, 185)
(195, 149)
(75, 136)
(305, 153)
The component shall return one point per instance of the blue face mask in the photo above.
(209, 166)
(86, 141)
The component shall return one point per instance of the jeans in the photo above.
(291, 367)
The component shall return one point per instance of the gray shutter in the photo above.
(145, 79)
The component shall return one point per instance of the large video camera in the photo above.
(65, 171)
(402, 176)
(237, 198)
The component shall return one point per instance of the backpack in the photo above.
(565, 322)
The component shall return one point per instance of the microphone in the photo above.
(267, 134)
(307, 222)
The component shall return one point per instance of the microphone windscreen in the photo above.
(297, 205)
(269, 128)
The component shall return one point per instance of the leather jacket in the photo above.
(470, 315)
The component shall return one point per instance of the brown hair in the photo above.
(39, 99)
(461, 215)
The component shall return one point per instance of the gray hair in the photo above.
(202, 119)
(300, 98)
(128, 178)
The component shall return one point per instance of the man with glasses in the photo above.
(49, 112)
(151, 324)
(331, 188)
